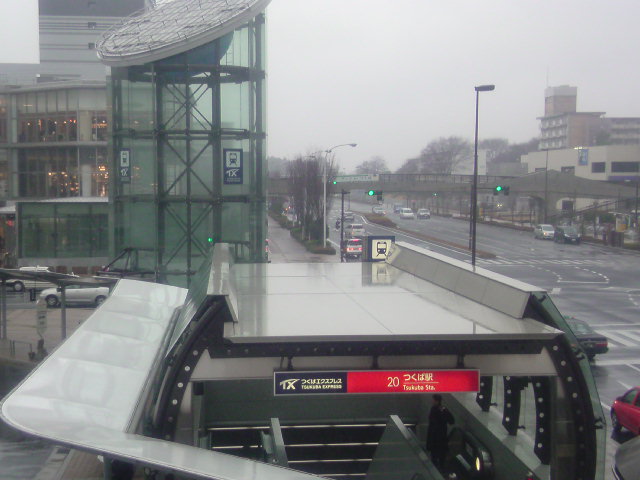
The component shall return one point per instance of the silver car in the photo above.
(75, 295)
(544, 231)
(407, 213)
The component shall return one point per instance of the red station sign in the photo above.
(376, 381)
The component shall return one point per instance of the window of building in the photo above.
(568, 169)
(48, 173)
(597, 167)
(618, 167)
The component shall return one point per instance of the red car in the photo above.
(625, 411)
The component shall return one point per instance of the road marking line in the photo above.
(630, 334)
(619, 339)
(606, 407)
(556, 291)
(633, 366)
(616, 362)
(576, 281)
(624, 385)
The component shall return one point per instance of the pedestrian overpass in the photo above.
(300, 371)
(543, 187)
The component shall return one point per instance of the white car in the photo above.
(20, 285)
(544, 231)
(407, 213)
(354, 230)
(75, 295)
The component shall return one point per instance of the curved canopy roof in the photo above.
(173, 28)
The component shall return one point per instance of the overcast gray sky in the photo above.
(392, 75)
(19, 31)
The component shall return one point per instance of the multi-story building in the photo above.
(562, 125)
(53, 140)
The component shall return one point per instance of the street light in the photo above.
(324, 190)
(474, 189)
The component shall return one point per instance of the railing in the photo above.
(12, 347)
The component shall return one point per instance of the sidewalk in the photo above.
(286, 249)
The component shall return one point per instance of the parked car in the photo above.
(591, 341)
(407, 213)
(352, 248)
(625, 411)
(354, 230)
(567, 234)
(423, 213)
(378, 210)
(349, 216)
(19, 285)
(544, 231)
(626, 462)
(75, 295)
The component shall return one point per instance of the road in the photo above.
(592, 282)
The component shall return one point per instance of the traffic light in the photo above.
(498, 189)
(377, 193)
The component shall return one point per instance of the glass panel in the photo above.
(41, 102)
(174, 160)
(137, 102)
(236, 105)
(74, 230)
(139, 225)
(72, 101)
(37, 230)
(202, 167)
(237, 53)
(143, 167)
(52, 104)
(173, 106)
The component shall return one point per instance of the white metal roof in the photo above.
(86, 393)
(174, 27)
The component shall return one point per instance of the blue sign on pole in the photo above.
(233, 168)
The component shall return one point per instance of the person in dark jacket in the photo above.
(437, 433)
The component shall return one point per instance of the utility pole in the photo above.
(342, 194)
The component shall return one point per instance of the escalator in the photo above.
(369, 451)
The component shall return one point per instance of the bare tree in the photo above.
(374, 166)
(305, 178)
(444, 155)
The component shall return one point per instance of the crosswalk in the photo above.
(621, 338)
(543, 261)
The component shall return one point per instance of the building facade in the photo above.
(562, 126)
(53, 140)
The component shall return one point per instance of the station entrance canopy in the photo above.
(195, 382)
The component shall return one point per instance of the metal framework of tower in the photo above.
(171, 133)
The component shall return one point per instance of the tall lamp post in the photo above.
(324, 190)
(474, 189)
